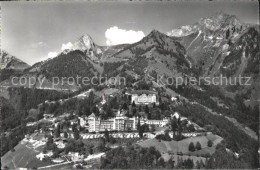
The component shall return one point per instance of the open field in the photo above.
(160, 146)
(172, 149)
(23, 156)
(175, 147)
(203, 151)
(106, 92)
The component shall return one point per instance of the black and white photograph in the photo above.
(130, 84)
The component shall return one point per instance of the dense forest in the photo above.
(236, 108)
(12, 126)
(7, 73)
(25, 98)
(132, 158)
(235, 139)
(61, 66)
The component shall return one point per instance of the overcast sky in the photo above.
(32, 31)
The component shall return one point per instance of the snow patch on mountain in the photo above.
(194, 39)
(182, 31)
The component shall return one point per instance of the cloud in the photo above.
(52, 54)
(130, 22)
(38, 44)
(66, 46)
(115, 35)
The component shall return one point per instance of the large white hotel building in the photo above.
(120, 123)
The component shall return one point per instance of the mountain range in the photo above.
(219, 44)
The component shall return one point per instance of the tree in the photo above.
(174, 126)
(184, 124)
(125, 106)
(178, 98)
(40, 114)
(191, 147)
(57, 131)
(170, 163)
(107, 135)
(160, 99)
(199, 164)
(112, 140)
(50, 145)
(179, 129)
(74, 127)
(161, 162)
(166, 135)
(191, 128)
(95, 110)
(188, 163)
(109, 112)
(138, 124)
(78, 166)
(210, 143)
(90, 149)
(134, 111)
(91, 97)
(101, 147)
(141, 131)
(129, 97)
(146, 109)
(140, 108)
(133, 104)
(210, 163)
(76, 134)
(198, 146)
(147, 112)
(65, 135)
(227, 34)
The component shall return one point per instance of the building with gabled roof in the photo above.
(143, 96)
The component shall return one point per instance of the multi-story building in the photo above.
(143, 96)
(120, 123)
(82, 121)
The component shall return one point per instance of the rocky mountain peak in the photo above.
(84, 43)
(219, 21)
(9, 61)
(155, 33)
(181, 31)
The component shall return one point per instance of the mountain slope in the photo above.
(221, 45)
(10, 66)
(8, 61)
(156, 53)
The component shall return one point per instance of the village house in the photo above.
(42, 155)
(48, 116)
(60, 144)
(75, 156)
(57, 160)
(83, 121)
(143, 97)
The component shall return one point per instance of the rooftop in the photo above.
(142, 92)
